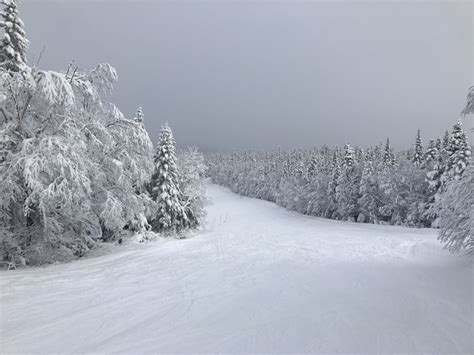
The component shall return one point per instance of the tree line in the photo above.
(421, 187)
(75, 171)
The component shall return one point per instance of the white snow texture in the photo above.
(260, 279)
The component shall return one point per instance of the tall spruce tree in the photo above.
(457, 201)
(14, 43)
(348, 161)
(446, 139)
(369, 196)
(164, 186)
(388, 156)
(347, 190)
(418, 150)
(331, 211)
(459, 153)
(434, 163)
(439, 148)
(456, 220)
(431, 155)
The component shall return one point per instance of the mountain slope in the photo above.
(258, 279)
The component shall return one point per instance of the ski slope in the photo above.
(258, 279)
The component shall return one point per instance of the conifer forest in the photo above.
(252, 194)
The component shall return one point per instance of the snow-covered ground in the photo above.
(259, 279)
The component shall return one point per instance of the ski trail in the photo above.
(258, 278)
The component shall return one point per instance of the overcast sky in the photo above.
(263, 74)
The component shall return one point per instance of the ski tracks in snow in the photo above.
(258, 278)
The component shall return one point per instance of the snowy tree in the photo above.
(435, 166)
(369, 200)
(191, 173)
(14, 43)
(446, 140)
(456, 216)
(164, 186)
(456, 211)
(70, 177)
(348, 159)
(431, 154)
(459, 154)
(331, 211)
(347, 191)
(367, 186)
(388, 156)
(418, 151)
(316, 188)
(313, 165)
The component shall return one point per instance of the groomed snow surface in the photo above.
(258, 279)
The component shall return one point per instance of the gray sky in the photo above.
(262, 74)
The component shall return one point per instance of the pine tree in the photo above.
(459, 154)
(457, 201)
(434, 163)
(446, 140)
(313, 166)
(14, 43)
(418, 151)
(347, 191)
(331, 211)
(431, 155)
(191, 173)
(164, 186)
(439, 147)
(456, 214)
(388, 156)
(348, 161)
(368, 191)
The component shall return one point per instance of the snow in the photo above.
(258, 279)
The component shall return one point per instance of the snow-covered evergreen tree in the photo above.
(456, 203)
(14, 44)
(331, 211)
(418, 150)
(348, 159)
(446, 140)
(369, 200)
(388, 156)
(456, 215)
(459, 154)
(367, 186)
(164, 186)
(431, 155)
(347, 191)
(191, 173)
(313, 166)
